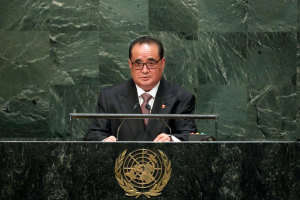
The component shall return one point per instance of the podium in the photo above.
(199, 170)
(150, 116)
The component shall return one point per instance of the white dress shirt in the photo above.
(152, 92)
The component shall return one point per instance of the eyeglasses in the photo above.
(151, 64)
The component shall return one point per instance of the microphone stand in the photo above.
(148, 107)
(118, 130)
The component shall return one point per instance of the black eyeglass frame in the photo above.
(145, 63)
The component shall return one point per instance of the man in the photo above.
(147, 87)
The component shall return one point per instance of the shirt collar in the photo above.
(152, 92)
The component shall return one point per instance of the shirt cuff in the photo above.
(174, 139)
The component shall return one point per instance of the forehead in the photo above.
(149, 50)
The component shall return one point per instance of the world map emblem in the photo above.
(143, 172)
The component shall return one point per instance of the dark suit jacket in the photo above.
(122, 98)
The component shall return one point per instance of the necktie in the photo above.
(146, 97)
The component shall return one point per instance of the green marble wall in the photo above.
(241, 59)
(85, 170)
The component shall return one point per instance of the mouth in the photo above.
(145, 78)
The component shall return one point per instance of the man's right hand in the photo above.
(110, 139)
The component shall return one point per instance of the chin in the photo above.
(147, 83)
(146, 87)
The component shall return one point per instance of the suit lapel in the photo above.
(128, 99)
(164, 97)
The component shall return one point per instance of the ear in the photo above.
(163, 61)
(129, 63)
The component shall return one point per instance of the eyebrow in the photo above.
(149, 59)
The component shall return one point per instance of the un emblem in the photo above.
(143, 172)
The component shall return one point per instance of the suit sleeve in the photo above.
(100, 127)
(183, 127)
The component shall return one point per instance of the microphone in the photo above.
(136, 105)
(148, 107)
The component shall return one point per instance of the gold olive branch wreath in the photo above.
(132, 191)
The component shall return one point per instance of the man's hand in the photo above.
(110, 139)
(163, 137)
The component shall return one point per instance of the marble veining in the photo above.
(240, 58)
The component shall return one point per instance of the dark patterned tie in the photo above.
(146, 97)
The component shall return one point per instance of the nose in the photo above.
(145, 68)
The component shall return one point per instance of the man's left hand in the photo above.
(163, 137)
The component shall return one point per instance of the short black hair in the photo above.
(147, 40)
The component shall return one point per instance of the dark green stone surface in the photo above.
(272, 110)
(223, 16)
(272, 59)
(298, 16)
(29, 15)
(199, 170)
(78, 15)
(168, 15)
(240, 58)
(272, 15)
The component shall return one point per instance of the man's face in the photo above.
(146, 78)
